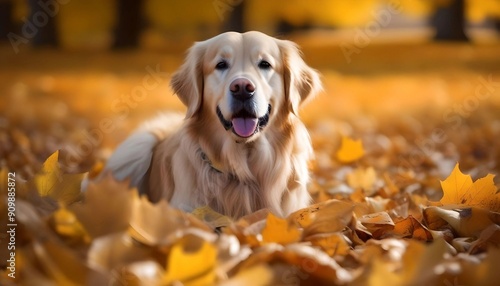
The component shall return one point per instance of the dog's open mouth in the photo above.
(243, 123)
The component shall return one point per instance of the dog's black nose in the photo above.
(242, 88)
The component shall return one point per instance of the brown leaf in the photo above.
(489, 238)
(107, 207)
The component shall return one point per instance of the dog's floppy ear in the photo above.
(301, 81)
(187, 82)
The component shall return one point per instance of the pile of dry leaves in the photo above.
(376, 233)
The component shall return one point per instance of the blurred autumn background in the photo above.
(416, 81)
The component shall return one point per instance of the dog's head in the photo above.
(244, 80)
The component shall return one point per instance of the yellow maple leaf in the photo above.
(459, 189)
(192, 261)
(278, 230)
(350, 150)
(52, 182)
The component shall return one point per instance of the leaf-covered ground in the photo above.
(397, 133)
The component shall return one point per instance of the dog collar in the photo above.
(216, 166)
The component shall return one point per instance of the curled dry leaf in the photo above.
(305, 263)
(464, 221)
(489, 238)
(325, 217)
(377, 223)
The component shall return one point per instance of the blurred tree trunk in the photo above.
(6, 23)
(46, 35)
(129, 24)
(449, 22)
(236, 21)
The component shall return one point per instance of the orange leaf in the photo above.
(350, 150)
(459, 189)
(280, 231)
(411, 228)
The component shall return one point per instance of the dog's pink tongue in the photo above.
(244, 127)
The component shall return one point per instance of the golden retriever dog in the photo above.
(241, 146)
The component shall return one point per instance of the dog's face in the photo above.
(244, 81)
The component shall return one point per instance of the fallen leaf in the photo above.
(279, 230)
(403, 262)
(332, 243)
(211, 217)
(350, 150)
(363, 179)
(63, 266)
(191, 261)
(411, 228)
(465, 221)
(459, 189)
(106, 208)
(159, 223)
(248, 228)
(305, 263)
(325, 217)
(377, 223)
(66, 224)
(52, 182)
(489, 238)
(108, 253)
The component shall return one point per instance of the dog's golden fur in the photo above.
(198, 161)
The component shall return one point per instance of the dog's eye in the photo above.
(265, 65)
(222, 65)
